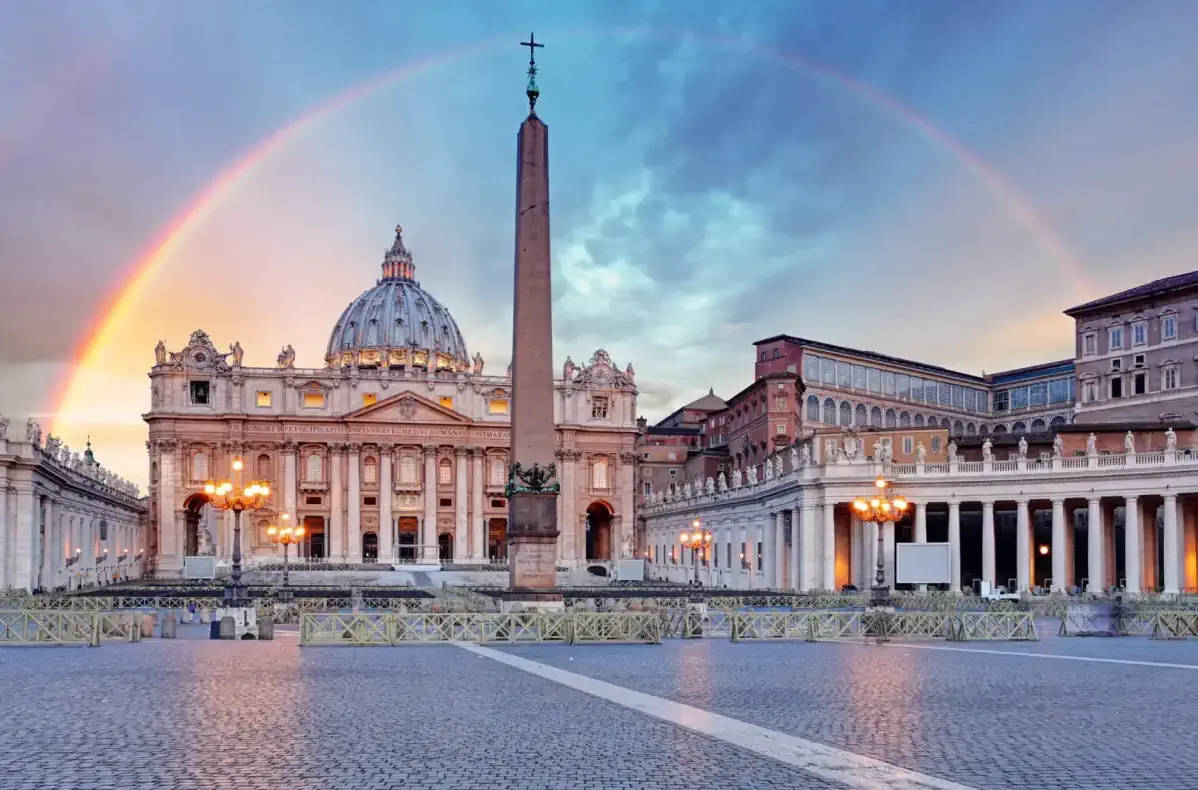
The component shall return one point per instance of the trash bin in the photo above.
(228, 627)
(147, 626)
(214, 629)
(266, 628)
(169, 625)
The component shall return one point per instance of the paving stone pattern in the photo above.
(992, 721)
(192, 713)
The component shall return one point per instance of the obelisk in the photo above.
(532, 479)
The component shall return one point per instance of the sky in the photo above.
(932, 180)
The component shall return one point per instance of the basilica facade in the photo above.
(395, 451)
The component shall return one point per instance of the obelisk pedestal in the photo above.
(532, 481)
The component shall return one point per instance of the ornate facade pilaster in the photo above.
(336, 506)
(570, 537)
(386, 494)
(428, 531)
(828, 547)
(478, 548)
(170, 535)
(353, 526)
(623, 543)
(290, 482)
(777, 526)
(461, 496)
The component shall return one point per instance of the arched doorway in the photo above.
(409, 529)
(497, 539)
(370, 547)
(445, 547)
(197, 521)
(599, 531)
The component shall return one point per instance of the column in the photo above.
(24, 573)
(828, 547)
(778, 524)
(921, 531)
(1058, 545)
(49, 558)
(1171, 537)
(4, 575)
(336, 508)
(888, 549)
(622, 543)
(954, 544)
(289, 480)
(796, 557)
(808, 566)
(169, 558)
(1094, 532)
(428, 526)
(479, 548)
(353, 526)
(987, 543)
(1132, 561)
(569, 500)
(744, 577)
(1023, 548)
(461, 494)
(386, 496)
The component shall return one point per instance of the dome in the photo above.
(397, 323)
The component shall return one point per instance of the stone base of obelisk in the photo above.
(532, 552)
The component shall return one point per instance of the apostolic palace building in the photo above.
(1079, 473)
(395, 451)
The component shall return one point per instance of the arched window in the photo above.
(496, 472)
(407, 469)
(891, 419)
(314, 468)
(1000, 429)
(846, 413)
(263, 470)
(875, 417)
(905, 419)
(1058, 420)
(1038, 425)
(812, 409)
(445, 472)
(829, 412)
(970, 428)
(370, 470)
(599, 474)
(861, 414)
(984, 430)
(958, 428)
(1019, 427)
(199, 466)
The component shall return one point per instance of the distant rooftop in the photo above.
(709, 402)
(1163, 285)
(875, 356)
(1031, 372)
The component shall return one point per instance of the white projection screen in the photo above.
(923, 563)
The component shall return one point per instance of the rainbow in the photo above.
(121, 301)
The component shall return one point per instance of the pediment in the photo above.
(407, 407)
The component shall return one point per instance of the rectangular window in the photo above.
(1058, 390)
(370, 500)
(982, 399)
(1019, 398)
(312, 500)
(1115, 338)
(1169, 327)
(447, 401)
(908, 444)
(917, 389)
(844, 375)
(599, 407)
(781, 429)
(313, 400)
(873, 378)
(1139, 383)
(263, 399)
(497, 406)
(828, 371)
(199, 393)
(859, 377)
(1116, 364)
(1169, 377)
(1116, 386)
(1038, 394)
(958, 397)
(810, 369)
(946, 395)
(929, 391)
(648, 488)
(445, 502)
(935, 443)
(904, 385)
(1139, 333)
(1002, 400)
(779, 403)
(1089, 391)
(369, 398)
(889, 387)
(1089, 344)
(967, 394)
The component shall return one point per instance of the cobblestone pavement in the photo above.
(192, 713)
(982, 719)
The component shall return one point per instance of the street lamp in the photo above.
(881, 510)
(696, 541)
(236, 496)
(286, 535)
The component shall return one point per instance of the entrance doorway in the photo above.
(409, 528)
(314, 537)
(370, 547)
(197, 517)
(598, 531)
(497, 539)
(445, 547)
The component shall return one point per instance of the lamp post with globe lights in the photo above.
(233, 494)
(697, 542)
(881, 510)
(285, 535)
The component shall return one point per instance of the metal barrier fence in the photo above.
(815, 626)
(1155, 622)
(394, 628)
(60, 627)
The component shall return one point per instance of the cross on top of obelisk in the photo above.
(533, 91)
